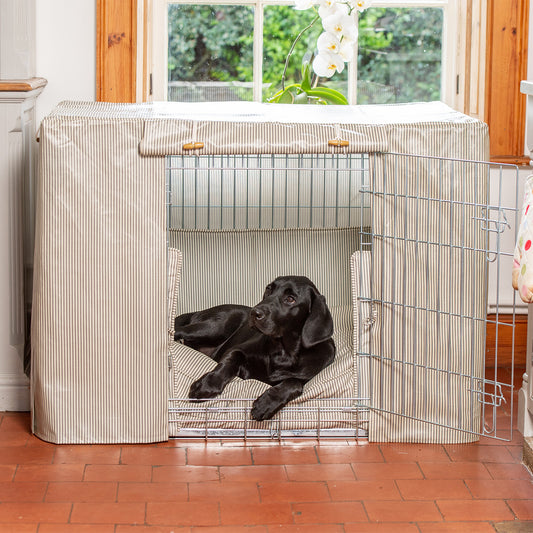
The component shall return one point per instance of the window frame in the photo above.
(160, 58)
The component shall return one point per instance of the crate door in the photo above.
(439, 229)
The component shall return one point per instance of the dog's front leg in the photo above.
(213, 383)
(273, 399)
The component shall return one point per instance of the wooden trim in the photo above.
(468, 56)
(512, 160)
(19, 86)
(505, 341)
(147, 50)
(506, 67)
(116, 50)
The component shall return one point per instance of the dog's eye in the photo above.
(290, 299)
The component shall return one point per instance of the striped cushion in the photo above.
(235, 267)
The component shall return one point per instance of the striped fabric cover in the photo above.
(99, 368)
(251, 128)
(168, 137)
(236, 266)
(363, 321)
(175, 260)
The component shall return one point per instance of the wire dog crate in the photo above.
(410, 252)
(402, 246)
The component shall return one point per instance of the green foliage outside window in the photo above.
(399, 48)
(207, 43)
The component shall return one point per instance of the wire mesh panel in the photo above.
(230, 417)
(266, 191)
(438, 227)
(402, 246)
(240, 221)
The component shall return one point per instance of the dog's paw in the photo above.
(263, 409)
(203, 389)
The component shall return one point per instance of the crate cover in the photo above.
(99, 324)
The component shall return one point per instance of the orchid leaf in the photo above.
(306, 77)
(331, 96)
(286, 96)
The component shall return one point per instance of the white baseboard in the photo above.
(14, 392)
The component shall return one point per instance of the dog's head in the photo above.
(292, 305)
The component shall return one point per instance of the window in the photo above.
(484, 58)
(236, 50)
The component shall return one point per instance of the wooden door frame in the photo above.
(506, 67)
(116, 51)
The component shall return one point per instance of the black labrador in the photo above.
(284, 341)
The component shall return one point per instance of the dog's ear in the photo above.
(268, 290)
(319, 324)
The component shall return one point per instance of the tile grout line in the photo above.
(15, 473)
(145, 515)
(70, 514)
(395, 481)
(316, 454)
(468, 488)
(420, 469)
(511, 510)
(382, 454)
(435, 502)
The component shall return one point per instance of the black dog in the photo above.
(284, 341)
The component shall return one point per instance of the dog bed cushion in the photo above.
(235, 268)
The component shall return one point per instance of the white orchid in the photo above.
(336, 46)
(326, 64)
(303, 4)
(330, 7)
(341, 25)
(327, 42)
(360, 5)
(346, 50)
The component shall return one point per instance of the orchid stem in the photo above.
(299, 36)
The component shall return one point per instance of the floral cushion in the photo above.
(523, 255)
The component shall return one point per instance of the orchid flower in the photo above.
(360, 5)
(329, 7)
(336, 46)
(346, 50)
(303, 4)
(342, 25)
(327, 42)
(326, 64)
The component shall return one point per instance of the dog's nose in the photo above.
(258, 314)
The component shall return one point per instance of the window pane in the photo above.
(281, 26)
(210, 52)
(400, 55)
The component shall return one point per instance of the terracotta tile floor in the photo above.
(331, 486)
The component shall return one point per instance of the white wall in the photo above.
(65, 52)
